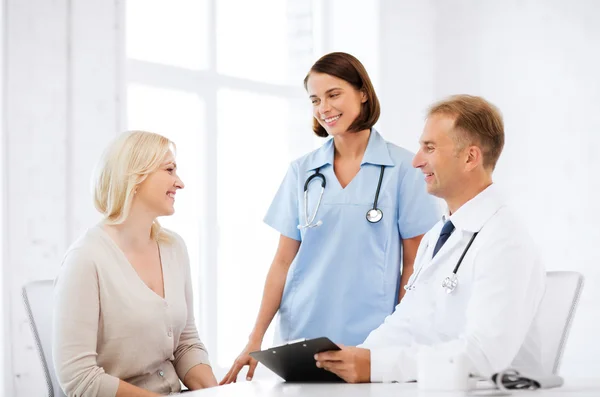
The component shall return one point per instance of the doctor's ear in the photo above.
(474, 157)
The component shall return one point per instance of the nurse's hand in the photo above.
(352, 364)
(240, 362)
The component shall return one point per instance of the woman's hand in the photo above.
(241, 361)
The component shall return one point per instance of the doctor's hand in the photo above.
(352, 364)
(240, 362)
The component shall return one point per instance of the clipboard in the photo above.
(295, 362)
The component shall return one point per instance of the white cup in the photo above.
(442, 371)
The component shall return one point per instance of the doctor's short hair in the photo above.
(125, 164)
(348, 68)
(477, 122)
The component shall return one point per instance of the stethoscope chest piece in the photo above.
(450, 283)
(374, 215)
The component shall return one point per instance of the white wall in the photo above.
(407, 58)
(538, 61)
(3, 324)
(62, 82)
(352, 26)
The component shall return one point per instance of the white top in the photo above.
(489, 317)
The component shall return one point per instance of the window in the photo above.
(172, 32)
(243, 193)
(223, 80)
(266, 44)
(179, 116)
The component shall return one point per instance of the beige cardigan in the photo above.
(108, 325)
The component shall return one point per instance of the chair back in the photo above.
(38, 298)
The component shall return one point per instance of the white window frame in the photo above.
(206, 83)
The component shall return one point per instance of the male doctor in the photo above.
(488, 314)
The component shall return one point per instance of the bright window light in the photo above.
(168, 32)
(252, 160)
(179, 116)
(246, 130)
(260, 40)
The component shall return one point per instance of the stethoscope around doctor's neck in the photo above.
(373, 215)
(451, 282)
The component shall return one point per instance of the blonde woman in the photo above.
(123, 315)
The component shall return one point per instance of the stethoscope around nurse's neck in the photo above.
(373, 215)
(451, 282)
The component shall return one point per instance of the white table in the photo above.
(575, 388)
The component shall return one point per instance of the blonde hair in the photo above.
(126, 163)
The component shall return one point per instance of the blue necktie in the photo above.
(445, 233)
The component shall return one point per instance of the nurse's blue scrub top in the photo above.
(345, 277)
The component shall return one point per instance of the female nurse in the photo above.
(351, 215)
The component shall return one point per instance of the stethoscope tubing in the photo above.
(464, 253)
(319, 175)
(454, 272)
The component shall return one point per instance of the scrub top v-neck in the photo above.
(345, 277)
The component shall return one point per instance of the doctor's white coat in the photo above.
(490, 315)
